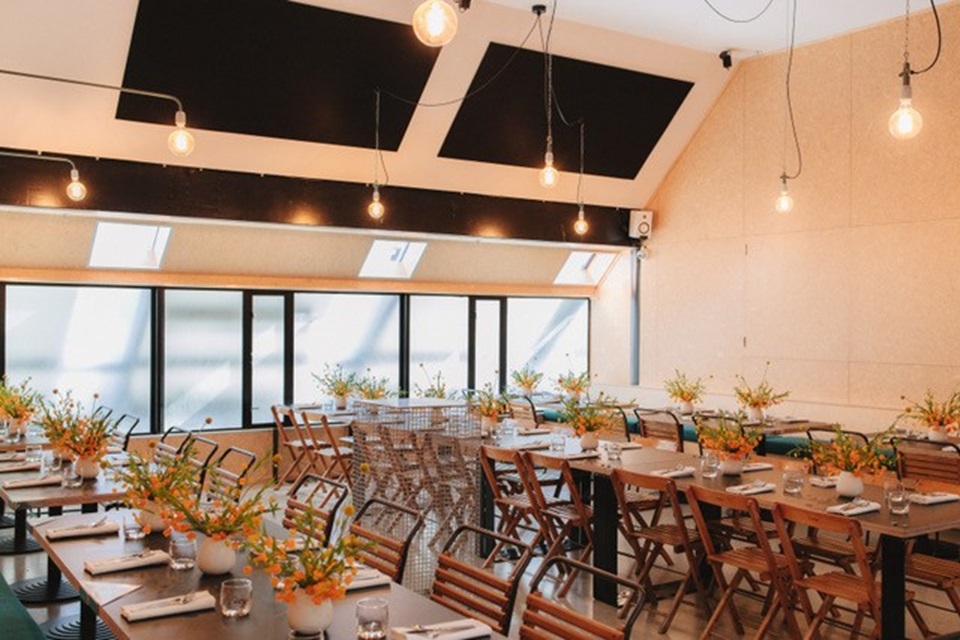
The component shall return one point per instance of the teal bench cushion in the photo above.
(15, 622)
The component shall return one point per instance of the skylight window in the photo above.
(392, 259)
(584, 268)
(128, 246)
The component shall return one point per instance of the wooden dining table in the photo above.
(267, 619)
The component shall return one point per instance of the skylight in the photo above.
(128, 246)
(584, 268)
(392, 259)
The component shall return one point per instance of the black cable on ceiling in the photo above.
(738, 20)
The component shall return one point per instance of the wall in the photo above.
(852, 297)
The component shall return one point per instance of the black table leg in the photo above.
(892, 551)
(6, 522)
(21, 541)
(486, 515)
(46, 589)
(605, 538)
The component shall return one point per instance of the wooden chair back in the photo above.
(472, 591)
(392, 527)
(661, 425)
(669, 500)
(228, 474)
(829, 434)
(202, 451)
(524, 412)
(122, 430)
(546, 619)
(339, 464)
(925, 460)
(319, 496)
(103, 411)
(171, 444)
(749, 521)
(535, 489)
(498, 463)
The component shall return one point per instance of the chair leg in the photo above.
(725, 600)
(818, 619)
(921, 623)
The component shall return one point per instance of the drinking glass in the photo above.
(183, 554)
(614, 452)
(509, 427)
(889, 486)
(898, 501)
(793, 481)
(709, 464)
(71, 478)
(557, 443)
(34, 453)
(236, 597)
(53, 462)
(13, 432)
(372, 619)
(133, 530)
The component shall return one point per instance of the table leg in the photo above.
(6, 522)
(486, 515)
(605, 538)
(892, 551)
(20, 542)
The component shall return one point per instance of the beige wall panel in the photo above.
(906, 294)
(882, 385)
(648, 318)
(44, 240)
(610, 324)
(807, 380)
(797, 296)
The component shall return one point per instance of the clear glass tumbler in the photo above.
(372, 619)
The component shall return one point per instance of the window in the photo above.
(392, 259)
(85, 339)
(267, 358)
(129, 246)
(203, 363)
(438, 341)
(549, 334)
(584, 268)
(356, 331)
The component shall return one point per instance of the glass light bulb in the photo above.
(549, 176)
(181, 142)
(75, 190)
(784, 202)
(435, 23)
(376, 209)
(905, 123)
(581, 226)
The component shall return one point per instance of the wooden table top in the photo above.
(21, 445)
(100, 489)
(267, 620)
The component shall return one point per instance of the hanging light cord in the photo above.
(378, 161)
(737, 20)
(580, 178)
(96, 85)
(906, 41)
(793, 121)
(548, 61)
(39, 156)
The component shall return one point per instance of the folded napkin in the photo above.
(854, 508)
(792, 420)
(675, 472)
(25, 466)
(624, 446)
(827, 482)
(197, 601)
(751, 488)
(537, 431)
(531, 446)
(756, 466)
(583, 455)
(456, 630)
(367, 579)
(146, 558)
(12, 457)
(83, 530)
(934, 497)
(26, 483)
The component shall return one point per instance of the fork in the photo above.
(176, 602)
(89, 525)
(434, 631)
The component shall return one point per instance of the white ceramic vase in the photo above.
(87, 468)
(574, 396)
(755, 414)
(731, 466)
(18, 426)
(308, 618)
(149, 519)
(937, 434)
(849, 485)
(589, 441)
(216, 557)
(488, 425)
(341, 402)
(686, 407)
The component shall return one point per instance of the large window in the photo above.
(438, 342)
(267, 359)
(549, 334)
(356, 331)
(85, 339)
(203, 361)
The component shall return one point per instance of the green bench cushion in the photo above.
(15, 622)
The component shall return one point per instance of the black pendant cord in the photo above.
(906, 48)
(738, 20)
(793, 121)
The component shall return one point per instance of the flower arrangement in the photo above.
(527, 379)
(145, 481)
(760, 396)
(436, 387)
(932, 414)
(847, 453)
(321, 572)
(18, 402)
(683, 389)
(336, 382)
(73, 430)
(729, 439)
(574, 384)
(595, 417)
(487, 402)
(371, 387)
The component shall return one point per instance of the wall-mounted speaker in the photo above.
(641, 224)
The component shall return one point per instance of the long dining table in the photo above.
(894, 531)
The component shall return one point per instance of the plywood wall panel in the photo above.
(882, 385)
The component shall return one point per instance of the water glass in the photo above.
(34, 453)
(372, 619)
(898, 501)
(13, 432)
(183, 554)
(509, 427)
(557, 443)
(614, 452)
(793, 481)
(52, 461)
(709, 464)
(71, 478)
(236, 597)
(133, 530)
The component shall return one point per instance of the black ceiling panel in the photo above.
(274, 68)
(625, 112)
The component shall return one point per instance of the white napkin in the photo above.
(751, 488)
(934, 497)
(827, 482)
(368, 578)
(624, 446)
(756, 466)
(532, 446)
(459, 630)
(82, 530)
(854, 508)
(583, 455)
(12, 457)
(682, 472)
(147, 558)
(168, 606)
(10, 468)
(536, 431)
(26, 483)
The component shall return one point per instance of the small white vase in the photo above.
(341, 402)
(87, 468)
(148, 518)
(18, 426)
(216, 557)
(937, 434)
(686, 407)
(849, 485)
(574, 396)
(755, 414)
(527, 391)
(589, 441)
(488, 425)
(731, 466)
(308, 618)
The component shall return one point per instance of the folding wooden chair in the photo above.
(293, 446)
(925, 460)
(122, 431)
(524, 412)
(662, 426)
(453, 472)
(171, 444)
(392, 527)
(336, 460)
(546, 619)
(226, 477)
(473, 592)
(320, 497)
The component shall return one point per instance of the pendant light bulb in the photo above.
(581, 226)
(784, 202)
(75, 190)
(181, 142)
(435, 23)
(905, 123)
(549, 176)
(376, 209)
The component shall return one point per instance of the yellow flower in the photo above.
(349, 510)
